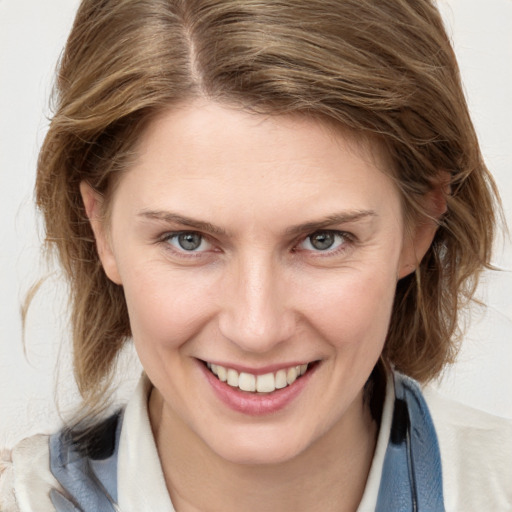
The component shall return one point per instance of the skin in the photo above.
(256, 293)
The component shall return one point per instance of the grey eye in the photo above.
(189, 241)
(322, 240)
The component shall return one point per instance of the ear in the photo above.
(419, 237)
(93, 203)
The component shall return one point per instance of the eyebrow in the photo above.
(174, 218)
(331, 220)
(207, 227)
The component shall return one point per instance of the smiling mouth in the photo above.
(266, 383)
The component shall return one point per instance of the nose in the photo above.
(256, 312)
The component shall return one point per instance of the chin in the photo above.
(258, 456)
(247, 449)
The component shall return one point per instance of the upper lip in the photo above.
(261, 370)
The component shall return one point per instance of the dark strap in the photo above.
(87, 468)
(412, 476)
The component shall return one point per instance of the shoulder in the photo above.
(25, 477)
(476, 455)
(7, 498)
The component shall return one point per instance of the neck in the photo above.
(330, 475)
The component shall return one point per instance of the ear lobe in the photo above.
(415, 247)
(417, 243)
(93, 203)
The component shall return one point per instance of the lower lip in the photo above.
(257, 404)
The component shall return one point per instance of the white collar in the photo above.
(140, 479)
(371, 490)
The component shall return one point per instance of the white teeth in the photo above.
(232, 378)
(222, 373)
(247, 382)
(266, 383)
(281, 379)
(291, 375)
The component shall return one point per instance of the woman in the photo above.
(278, 202)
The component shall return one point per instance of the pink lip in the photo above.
(255, 404)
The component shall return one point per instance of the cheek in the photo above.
(353, 311)
(165, 308)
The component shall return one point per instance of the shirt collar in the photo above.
(141, 483)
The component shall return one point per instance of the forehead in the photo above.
(203, 125)
(205, 156)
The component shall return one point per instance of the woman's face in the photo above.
(258, 245)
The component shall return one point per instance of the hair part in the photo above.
(382, 70)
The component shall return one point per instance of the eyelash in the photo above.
(348, 239)
(166, 238)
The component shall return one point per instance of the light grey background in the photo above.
(32, 33)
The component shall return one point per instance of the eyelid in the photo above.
(349, 239)
(169, 235)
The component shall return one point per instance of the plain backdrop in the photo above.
(32, 34)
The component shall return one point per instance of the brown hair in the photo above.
(382, 69)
